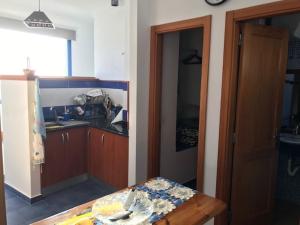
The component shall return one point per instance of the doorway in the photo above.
(155, 95)
(255, 62)
(180, 99)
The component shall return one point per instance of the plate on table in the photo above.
(109, 208)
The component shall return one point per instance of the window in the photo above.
(47, 55)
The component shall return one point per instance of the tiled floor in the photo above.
(286, 213)
(19, 212)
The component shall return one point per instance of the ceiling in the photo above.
(77, 9)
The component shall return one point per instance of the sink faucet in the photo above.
(55, 114)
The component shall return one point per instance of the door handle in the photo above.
(68, 137)
(102, 138)
(276, 138)
(89, 134)
(276, 135)
(63, 138)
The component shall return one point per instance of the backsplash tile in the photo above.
(84, 84)
(114, 85)
(49, 115)
(53, 83)
(122, 85)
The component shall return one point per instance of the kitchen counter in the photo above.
(119, 128)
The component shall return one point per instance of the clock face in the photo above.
(215, 2)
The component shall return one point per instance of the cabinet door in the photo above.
(120, 162)
(75, 152)
(108, 158)
(95, 148)
(53, 170)
(107, 154)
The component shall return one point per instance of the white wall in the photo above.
(133, 160)
(177, 166)
(140, 76)
(17, 137)
(111, 24)
(60, 96)
(83, 50)
(111, 42)
(115, 40)
(158, 12)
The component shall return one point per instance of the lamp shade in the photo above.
(38, 19)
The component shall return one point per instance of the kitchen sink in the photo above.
(65, 124)
(72, 123)
(290, 138)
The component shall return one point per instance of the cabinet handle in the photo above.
(275, 136)
(68, 138)
(63, 138)
(41, 168)
(102, 138)
(89, 134)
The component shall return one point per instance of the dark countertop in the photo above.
(120, 128)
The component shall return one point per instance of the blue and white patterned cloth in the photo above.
(163, 194)
(169, 193)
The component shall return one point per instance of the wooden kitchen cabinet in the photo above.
(120, 162)
(108, 157)
(75, 152)
(65, 156)
(52, 169)
(94, 153)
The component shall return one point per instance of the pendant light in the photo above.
(38, 19)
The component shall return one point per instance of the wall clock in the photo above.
(215, 2)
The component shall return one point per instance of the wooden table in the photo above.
(196, 211)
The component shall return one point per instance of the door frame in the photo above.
(2, 194)
(155, 92)
(229, 89)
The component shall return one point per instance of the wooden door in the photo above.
(75, 152)
(94, 143)
(108, 157)
(107, 165)
(263, 60)
(96, 154)
(54, 168)
(89, 148)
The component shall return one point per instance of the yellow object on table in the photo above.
(85, 219)
(111, 209)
